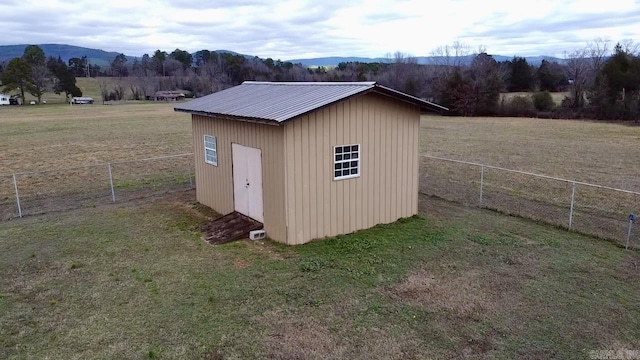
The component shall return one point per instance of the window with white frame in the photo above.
(346, 161)
(210, 150)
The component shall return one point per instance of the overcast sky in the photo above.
(302, 29)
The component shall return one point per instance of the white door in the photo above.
(247, 181)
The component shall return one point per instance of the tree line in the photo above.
(601, 81)
(36, 74)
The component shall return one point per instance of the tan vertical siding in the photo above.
(326, 169)
(214, 184)
(387, 189)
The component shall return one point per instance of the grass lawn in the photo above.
(45, 137)
(89, 86)
(595, 152)
(556, 96)
(138, 282)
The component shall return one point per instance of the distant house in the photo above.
(82, 100)
(169, 96)
(308, 160)
(4, 99)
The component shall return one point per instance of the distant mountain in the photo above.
(424, 60)
(104, 58)
(65, 52)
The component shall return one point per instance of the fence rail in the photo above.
(36, 192)
(597, 210)
(587, 208)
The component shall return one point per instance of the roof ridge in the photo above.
(305, 83)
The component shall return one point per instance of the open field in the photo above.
(601, 153)
(556, 96)
(36, 138)
(596, 153)
(45, 137)
(89, 86)
(137, 281)
(84, 138)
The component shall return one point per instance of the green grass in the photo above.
(138, 282)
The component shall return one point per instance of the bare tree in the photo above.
(104, 89)
(445, 61)
(579, 74)
(135, 88)
(597, 51)
(118, 90)
(40, 79)
(149, 85)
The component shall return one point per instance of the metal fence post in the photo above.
(481, 182)
(113, 193)
(629, 233)
(573, 196)
(15, 187)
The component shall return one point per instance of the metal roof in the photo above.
(275, 102)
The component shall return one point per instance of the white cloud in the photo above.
(293, 29)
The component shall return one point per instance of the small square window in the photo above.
(346, 162)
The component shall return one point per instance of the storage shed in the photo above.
(308, 160)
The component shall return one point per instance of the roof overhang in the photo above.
(231, 117)
(425, 106)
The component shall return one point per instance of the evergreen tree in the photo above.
(616, 93)
(39, 74)
(63, 78)
(16, 76)
(520, 78)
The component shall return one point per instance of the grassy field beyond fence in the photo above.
(592, 152)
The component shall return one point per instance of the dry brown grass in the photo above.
(37, 138)
(89, 87)
(458, 294)
(556, 96)
(305, 336)
(601, 153)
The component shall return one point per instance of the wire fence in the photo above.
(31, 193)
(591, 209)
(586, 208)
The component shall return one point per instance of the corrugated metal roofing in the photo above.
(281, 101)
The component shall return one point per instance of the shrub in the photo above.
(543, 101)
(518, 106)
